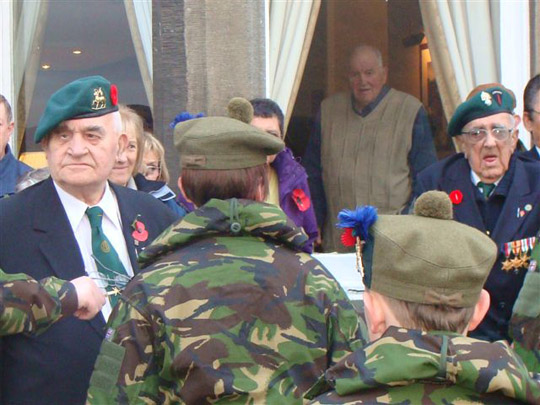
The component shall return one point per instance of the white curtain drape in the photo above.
(463, 47)
(291, 27)
(139, 14)
(29, 31)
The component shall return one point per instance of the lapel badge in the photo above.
(486, 98)
(99, 102)
(528, 207)
(498, 96)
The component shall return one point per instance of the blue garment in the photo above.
(421, 155)
(10, 170)
(512, 213)
(37, 238)
(531, 154)
(161, 191)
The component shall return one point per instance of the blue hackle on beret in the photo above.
(360, 220)
(184, 116)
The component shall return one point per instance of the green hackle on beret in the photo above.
(87, 97)
(428, 258)
(222, 143)
(491, 101)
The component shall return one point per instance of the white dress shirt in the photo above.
(112, 227)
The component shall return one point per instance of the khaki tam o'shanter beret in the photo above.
(222, 143)
(87, 97)
(427, 258)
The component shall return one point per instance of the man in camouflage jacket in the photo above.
(228, 309)
(422, 300)
(28, 306)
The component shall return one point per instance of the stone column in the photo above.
(205, 52)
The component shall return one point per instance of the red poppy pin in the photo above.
(114, 94)
(456, 197)
(140, 234)
(347, 237)
(301, 199)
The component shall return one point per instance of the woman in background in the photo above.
(126, 169)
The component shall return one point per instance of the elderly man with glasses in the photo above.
(495, 191)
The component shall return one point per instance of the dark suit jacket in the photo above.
(36, 238)
(523, 178)
(531, 154)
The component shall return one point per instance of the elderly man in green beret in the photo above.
(494, 190)
(73, 224)
(228, 308)
(424, 275)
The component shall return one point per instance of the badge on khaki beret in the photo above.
(87, 97)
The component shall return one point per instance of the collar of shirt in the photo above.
(371, 106)
(537, 150)
(476, 179)
(76, 209)
(131, 184)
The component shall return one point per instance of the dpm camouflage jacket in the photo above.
(227, 310)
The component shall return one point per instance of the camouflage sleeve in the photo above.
(29, 306)
(525, 322)
(345, 327)
(127, 367)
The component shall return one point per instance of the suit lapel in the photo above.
(128, 215)
(519, 195)
(467, 211)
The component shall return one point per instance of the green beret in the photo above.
(428, 258)
(84, 98)
(221, 143)
(491, 101)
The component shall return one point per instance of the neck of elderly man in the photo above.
(81, 154)
(490, 158)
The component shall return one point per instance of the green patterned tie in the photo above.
(107, 261)
(486, 188)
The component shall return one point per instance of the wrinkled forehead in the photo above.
(495, 120)
(364, 59)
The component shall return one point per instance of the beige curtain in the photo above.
(139, 15)
(460, 60)
(291, 28)
(30, 19)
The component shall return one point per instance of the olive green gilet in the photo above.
(365, 159)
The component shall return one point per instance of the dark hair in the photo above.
(266, 108)
(531, 92)
(202, 185)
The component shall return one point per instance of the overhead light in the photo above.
(45, 66)
(76, 52)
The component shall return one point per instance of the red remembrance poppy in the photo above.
(114, 94)
(456, 197)
(347, 238)
(301, 199)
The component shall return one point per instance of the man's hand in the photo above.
(89, 296)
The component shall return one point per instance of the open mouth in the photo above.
(490, 159)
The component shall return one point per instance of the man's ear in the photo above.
(375, 315)
(181, 187)
(480, 310)
(527, 121)
(122, 145)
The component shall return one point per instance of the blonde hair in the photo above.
(131, 121)
(426, 317)
(152, 144)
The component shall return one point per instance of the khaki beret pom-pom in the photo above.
(434, 204)
(240, 109)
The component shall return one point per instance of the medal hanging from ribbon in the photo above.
(517, 254)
